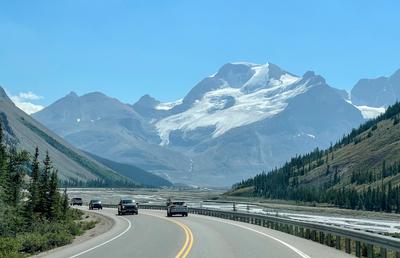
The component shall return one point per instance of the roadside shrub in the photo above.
(33, 242)
(86, 225)
(58, 239)
(75, 229)
(9, 247)
(75, 214)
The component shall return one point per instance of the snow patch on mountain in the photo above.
(228, 108)
(369, 112)
(168, 105)
(262, 75)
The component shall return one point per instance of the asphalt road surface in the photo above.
(152, 234)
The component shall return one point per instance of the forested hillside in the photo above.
(34, 216)
(361, 171)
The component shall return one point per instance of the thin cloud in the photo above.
(24, 101)
(29, 96)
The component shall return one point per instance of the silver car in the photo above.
(177, 207)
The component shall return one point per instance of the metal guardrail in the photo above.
(359, 243)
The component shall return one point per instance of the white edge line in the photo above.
(264, 234)
(106, 242)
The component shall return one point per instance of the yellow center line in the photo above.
(190, 244)
(186, 240)
(187, 246)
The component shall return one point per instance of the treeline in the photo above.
(384, 197)
(34, 215)
(72, 182)
(283, 183)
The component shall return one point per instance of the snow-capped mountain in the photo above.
(243, 119)
(244, 94)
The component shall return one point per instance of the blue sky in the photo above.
(129, 48)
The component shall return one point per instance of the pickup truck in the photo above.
(177, 207)
(127, 206)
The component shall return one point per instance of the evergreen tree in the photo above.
(54, 197)
(64, 204)
(12, 177)
(44, 184)
(34, 187)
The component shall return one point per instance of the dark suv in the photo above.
(127, 206)
(95, 204)
(76, 201)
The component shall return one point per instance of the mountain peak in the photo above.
(72, 94)
(308, 74)
(95, 94)
(146, 101)
(235, 74)
(3, 93)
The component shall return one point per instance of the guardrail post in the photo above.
(302, 232)
(338, 244)
(329, 240)
(347, 242)
(307, 233)
(296, 230)
(370, 251)
(358, 249)
(383, 252)
(321, 237)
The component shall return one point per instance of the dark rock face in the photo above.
(379, 92)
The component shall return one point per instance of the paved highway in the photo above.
(152, 234)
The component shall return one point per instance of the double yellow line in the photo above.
(183, 253)
(187, 246)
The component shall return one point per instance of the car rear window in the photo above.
(77, 199)
(127, 201)
(178, 203)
